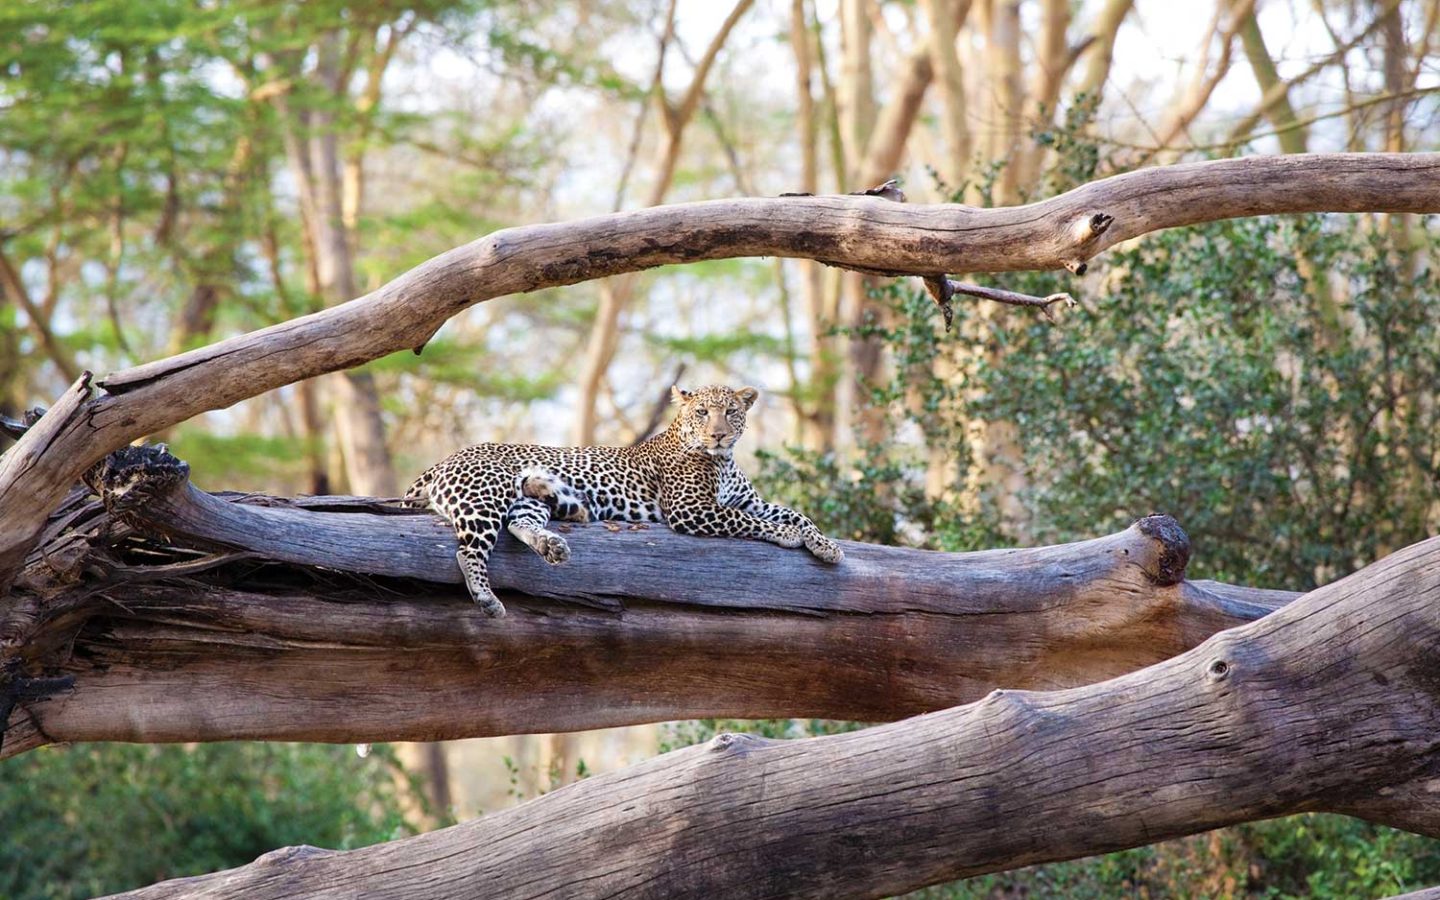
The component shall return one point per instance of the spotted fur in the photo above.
(685, 477)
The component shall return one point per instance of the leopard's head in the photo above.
(712, 418)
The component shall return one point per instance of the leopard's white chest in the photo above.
(729, 490)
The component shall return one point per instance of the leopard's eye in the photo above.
(702, 412)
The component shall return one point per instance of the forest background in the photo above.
(175, 172)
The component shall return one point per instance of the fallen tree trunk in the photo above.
(863, 233)
(203, 635)
(1330, 704)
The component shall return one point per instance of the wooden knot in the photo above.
(1173, 544)
(730, 742)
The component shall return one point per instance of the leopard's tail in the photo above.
(417, 496)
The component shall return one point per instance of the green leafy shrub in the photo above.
(99, 818)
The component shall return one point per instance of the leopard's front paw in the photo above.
(552, 548)
(788, 536)
(823, 548)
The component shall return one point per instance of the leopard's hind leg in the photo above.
(566, 504)
(475, 513)
(526, 519)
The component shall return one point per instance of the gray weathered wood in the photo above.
(865, 233)
(636, 637)
(1330, 704)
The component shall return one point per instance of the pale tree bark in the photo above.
(857, 84)
(856, 113)
(995, 443)
(616, 294)
(312, 144)
(1327, 705)
(1002, 95)
(883, 151)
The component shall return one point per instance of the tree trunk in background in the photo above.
(1101, 52)
(946, 17)
(616, 293)
(359, 423)
(820, 396)
(855, 96)
(1281, 114)
(1000, 20)
(998, 472)
(1052, 63)
(884, 148)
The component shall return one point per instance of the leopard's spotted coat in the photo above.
(685, 477)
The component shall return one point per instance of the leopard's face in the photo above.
(711, 419)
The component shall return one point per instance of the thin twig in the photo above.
(942, 290)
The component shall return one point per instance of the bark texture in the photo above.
(337, 611)
(1327, 705)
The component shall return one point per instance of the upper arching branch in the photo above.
(857, 232)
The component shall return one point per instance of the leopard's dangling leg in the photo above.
(476, 515)
(477, 538)
(526, 519)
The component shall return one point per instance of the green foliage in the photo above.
(446, 361)
(697, 731)
(1314, 856)
(233, 462)
(1272, 383)
(95, 819)
(719, 348)
(1204, 384)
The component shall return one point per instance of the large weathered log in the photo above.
(865, 233)
(1330, 704)
(891, 632)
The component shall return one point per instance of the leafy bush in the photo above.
(99, 818)
(1272, 383)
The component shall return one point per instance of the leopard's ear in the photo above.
(748, 396)
(677, 395)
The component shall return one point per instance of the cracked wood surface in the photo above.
(866, 233)
(1329, 704)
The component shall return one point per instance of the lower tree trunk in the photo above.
(1327, 705)
(313, 606)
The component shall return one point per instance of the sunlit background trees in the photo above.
(173, 172)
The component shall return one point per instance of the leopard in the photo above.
(685, 477)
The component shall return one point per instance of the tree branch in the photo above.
(153, 629)
(858, 232)
(1325, 705)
